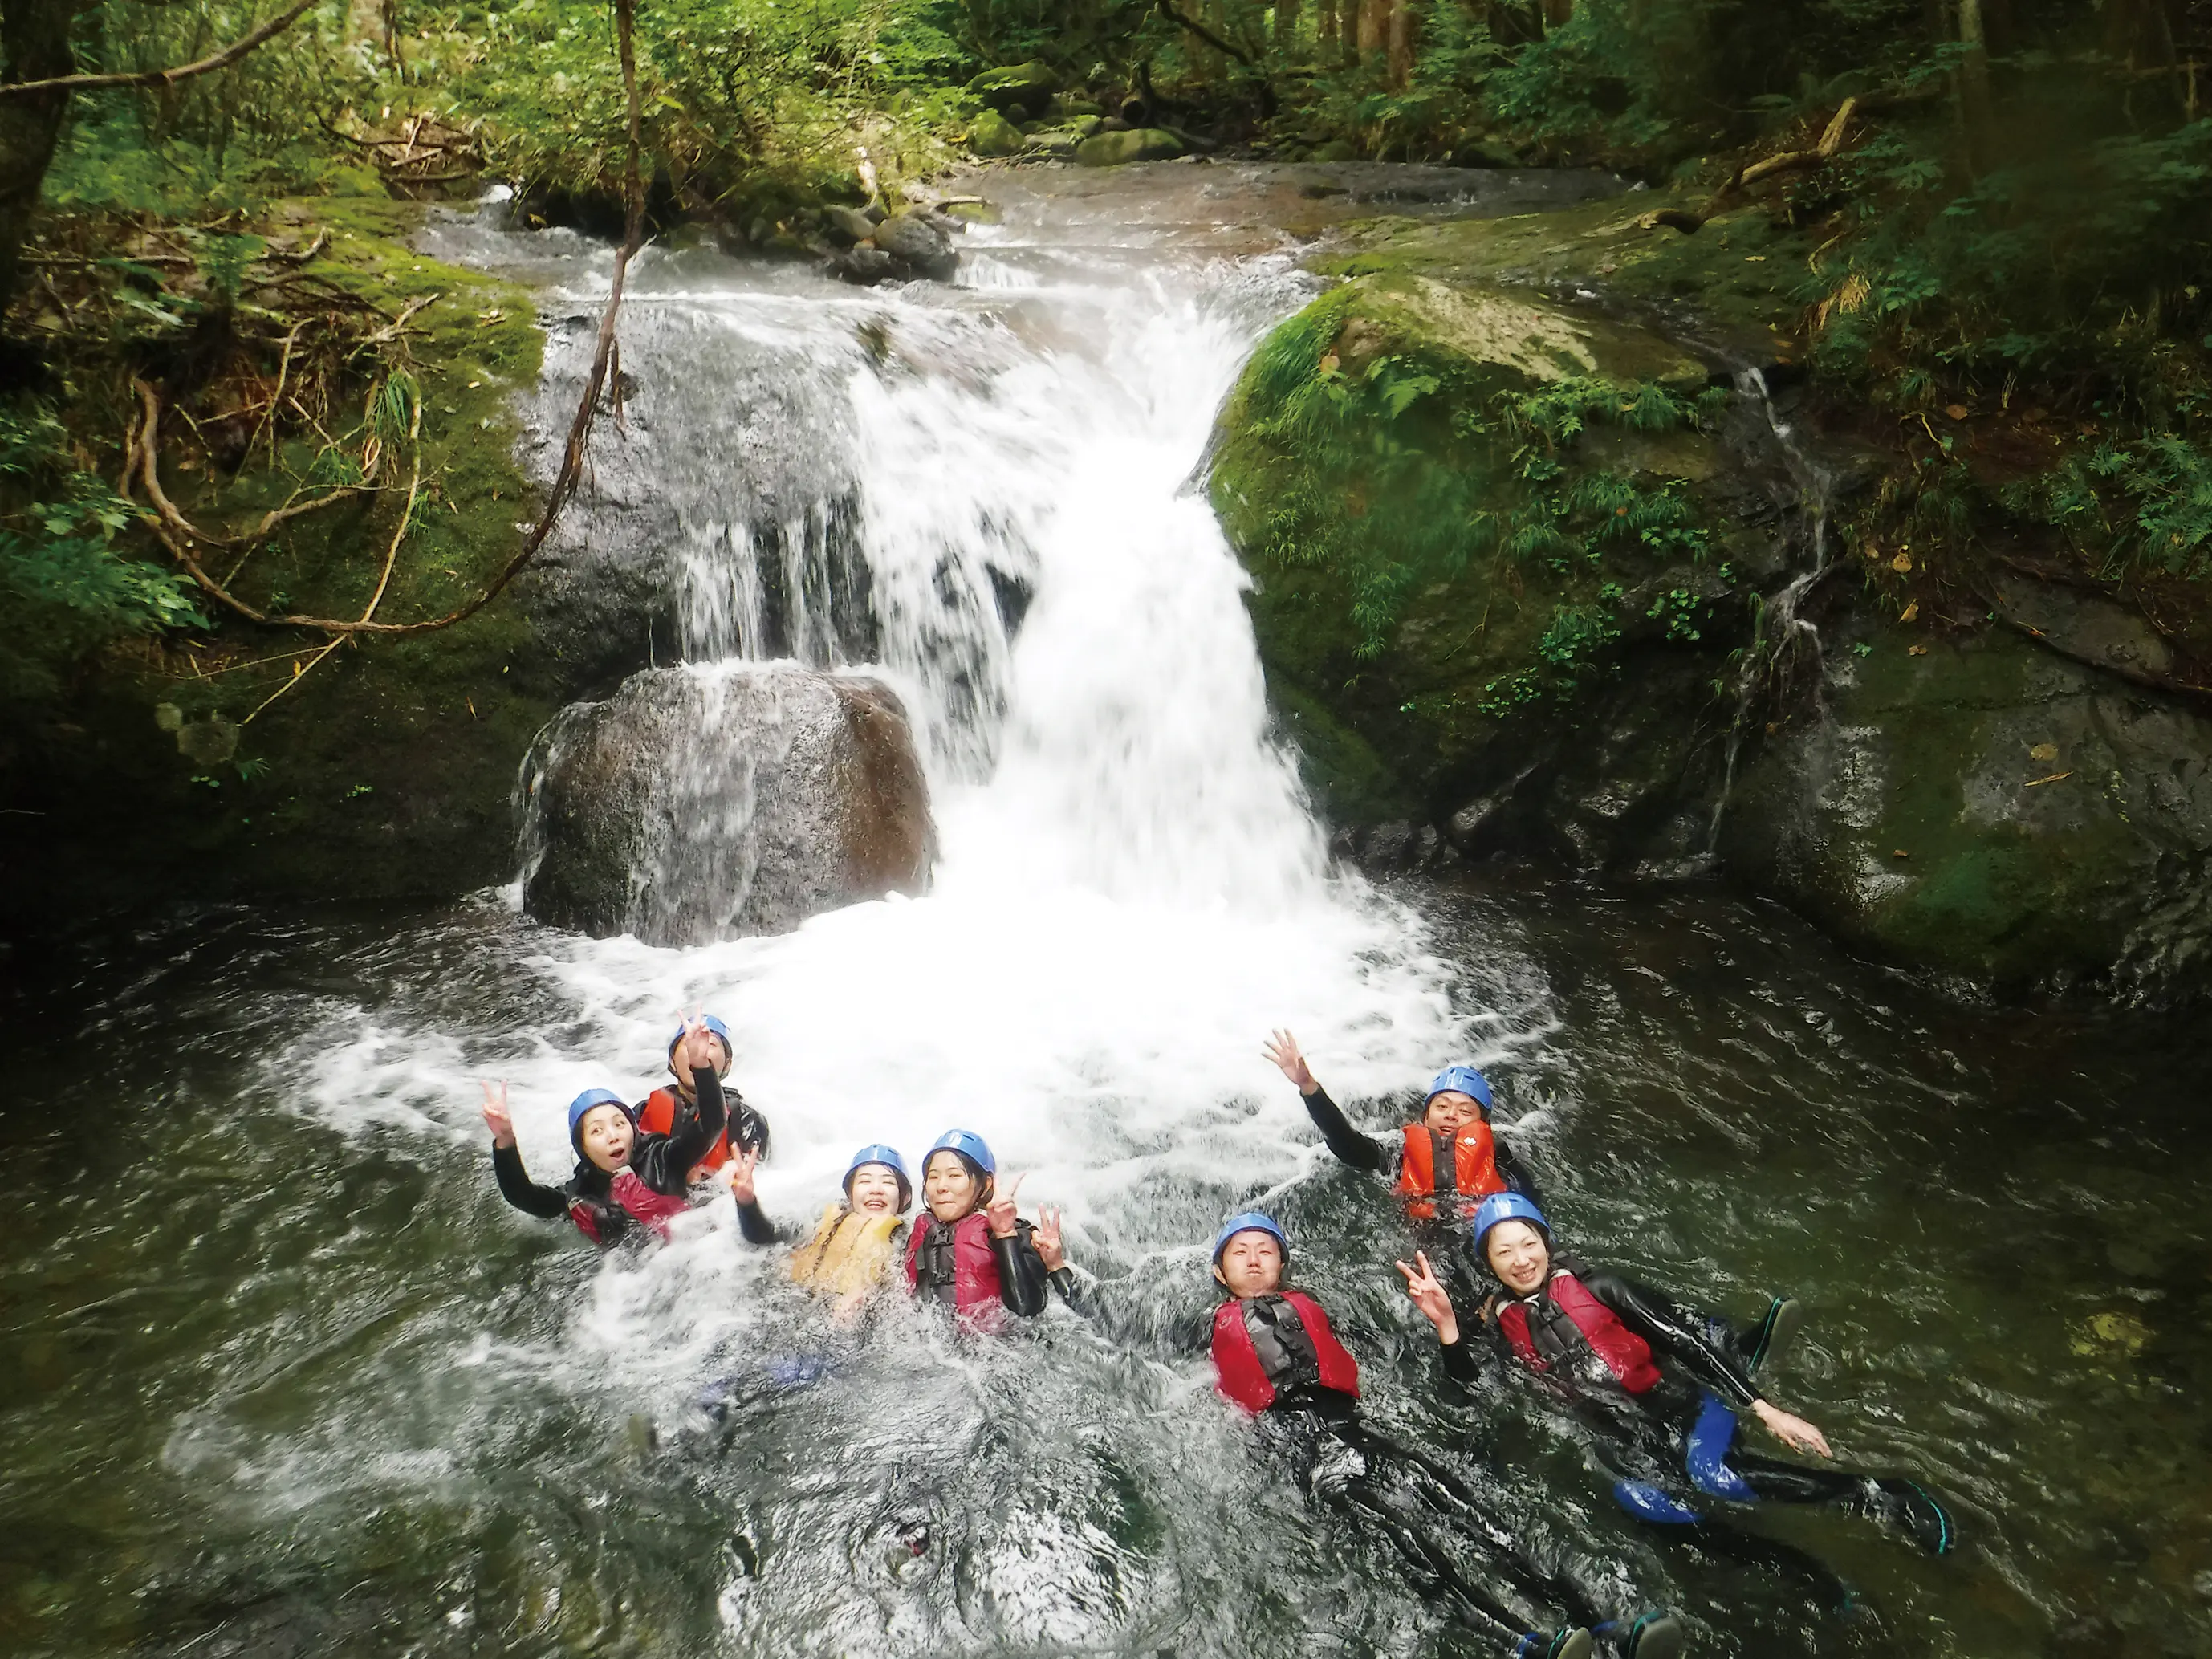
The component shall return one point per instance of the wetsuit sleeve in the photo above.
(516, 1187)
(1668, 1326)
(1077, 1288)
(1021, 1272)
(1350, 1146)
(696, 1125)
(1515, 1168)
(753, 1223)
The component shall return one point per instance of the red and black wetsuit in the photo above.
(968, 1269)
(639, 1197)
(1661, 1385)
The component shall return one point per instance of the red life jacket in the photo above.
(1437, 1165)
(1243, 1376)
(642, 1205)
(975, 1269)
(657, 1117)
(1626, 1354)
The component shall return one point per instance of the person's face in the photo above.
(949, 1186)
(1251, 1264)
(874, 1190)
(1451, 1111)
(682, 1073)
(608, 1136)
(1518, 1255)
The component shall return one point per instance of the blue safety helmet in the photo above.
(969, 1145)
(889, 1157)
(1464, 1079)
(1506, 1206)
(721, 1032)
(1250, 1222)
(584, 1102)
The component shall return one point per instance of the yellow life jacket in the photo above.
(850, 1251)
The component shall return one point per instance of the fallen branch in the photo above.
(168, 77)
(1690, 221)
(1205, 35)
(175, 532)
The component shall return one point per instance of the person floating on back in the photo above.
(1661, 1385)
(626, 1182)
(1440, 1166)
(745, 1128)
(969, 1251)
(1277, 1357)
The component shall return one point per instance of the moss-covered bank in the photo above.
(1530, 574)
(247, 763)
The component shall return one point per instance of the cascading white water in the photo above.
(1130, 891)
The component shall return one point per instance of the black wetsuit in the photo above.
(1670, 1445)
(1386, 1489)
(663, 1163)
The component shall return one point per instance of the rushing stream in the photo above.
(283, 1375)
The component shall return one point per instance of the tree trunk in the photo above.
(1557, 12)
(1325, 28)
(1405, 24)
(34, 46)
(1974, 114)
(1286, 28)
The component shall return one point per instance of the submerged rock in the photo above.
(715, 802)
(919, 243)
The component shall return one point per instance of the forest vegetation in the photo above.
(217, 339)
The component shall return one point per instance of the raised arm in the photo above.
(753, 1222)
(1347, 1142)
(515, 1185)
(1022, 1276)
(1463, 1363)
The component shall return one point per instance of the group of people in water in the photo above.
(1658, 1387)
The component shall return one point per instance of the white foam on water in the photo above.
(1131, 893)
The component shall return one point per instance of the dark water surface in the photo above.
(278, 1384)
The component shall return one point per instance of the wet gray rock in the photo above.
(864, 266)
(706, 803)
(845, 225)
(919, 243)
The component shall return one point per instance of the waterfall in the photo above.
(983, 494)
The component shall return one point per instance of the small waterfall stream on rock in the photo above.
(290, 1378)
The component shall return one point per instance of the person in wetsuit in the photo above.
(1278, 1359)
(744, 1129)
(626, 1182)
(1440, 1166)
(969, 1251)
(855, 1243)
(1660, 1385)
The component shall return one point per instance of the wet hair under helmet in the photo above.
(969, 1148)
(1506, 1206)
(889, 1157)
(712, 1024)
(1460, 1080)
(1251, 1221)
(584, 1103)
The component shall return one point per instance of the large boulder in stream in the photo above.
(713, 802)
(1114, 150)
(1543, 569)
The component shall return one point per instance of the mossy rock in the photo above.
(1030, 85)
(1986, 807)
(1413, 582)
(991, 134)
(1114, 150)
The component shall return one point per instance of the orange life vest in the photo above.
(657, 1117)
(1438, 1165)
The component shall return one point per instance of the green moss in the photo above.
(386, 770)
(1401, 467)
